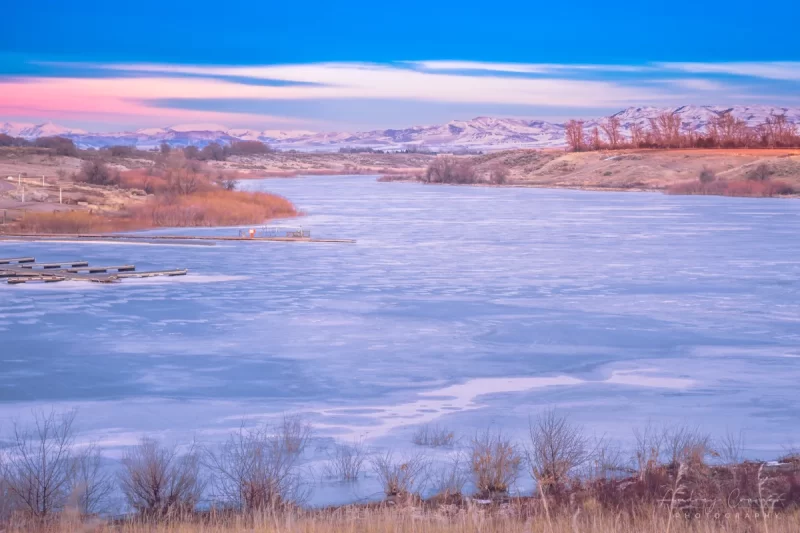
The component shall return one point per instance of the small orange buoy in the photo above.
(252, 233)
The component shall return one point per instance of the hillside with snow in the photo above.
(481, 133)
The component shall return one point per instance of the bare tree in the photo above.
(611, 127)
(450, 169)
(731, 448)
(575, 136)
(158, 481)
(92, 483)
(668, 126)
(7, 497)
(637, 135)
(257, 468)
(40, 468)
(596, 141)
(557, 448)
(183, 177)
(495, 463)
(400, 477)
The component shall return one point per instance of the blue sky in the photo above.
(359, 65)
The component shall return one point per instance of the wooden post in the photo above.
(60, 197)
(42, 181)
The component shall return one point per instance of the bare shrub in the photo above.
(157, 481)
(346, 461)
(294, 433)
(449, 481)
(557, 448)
(605, 461)
(249, 148)
(647, 450)
(400, 477)
(707, 175)
(121, 150)
(257, 468)
(96, 172)
(761, 173)
(39, 473)
(451, 169)
(685, 445)
(433, 435)
(498, 174)
(495, 462)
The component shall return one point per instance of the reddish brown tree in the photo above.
(575, 136)
(611, 127)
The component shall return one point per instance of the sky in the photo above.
(355, 65)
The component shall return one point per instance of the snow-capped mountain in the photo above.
(481, 133)
(33, 131)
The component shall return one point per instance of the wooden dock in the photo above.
(26, 269)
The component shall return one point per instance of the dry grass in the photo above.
(516, 517)
(73, 222)
(209, 208)
(755, 189)
(213, 208)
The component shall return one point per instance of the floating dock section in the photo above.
(26, 269)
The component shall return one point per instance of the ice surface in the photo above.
(465, 306)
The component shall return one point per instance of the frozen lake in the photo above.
(465, 306)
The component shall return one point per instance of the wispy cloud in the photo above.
(157, 93)
(771, 70)
(542, 68)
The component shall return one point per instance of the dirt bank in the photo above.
(637, 169)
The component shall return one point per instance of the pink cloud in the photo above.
(121, 100)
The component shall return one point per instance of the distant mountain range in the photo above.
(481, 133)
